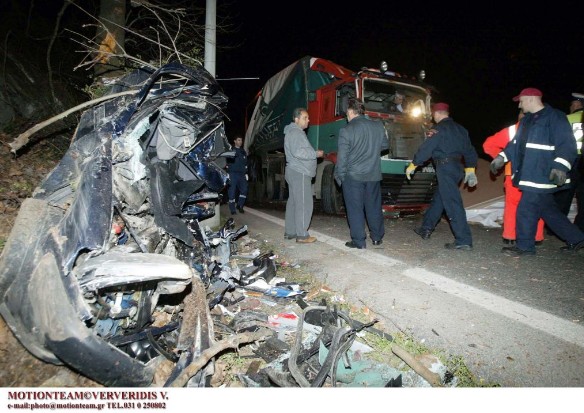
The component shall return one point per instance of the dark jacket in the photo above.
(450, 142)
(359, 150)
(544, 141)
(239, 163)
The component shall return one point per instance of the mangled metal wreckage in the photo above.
(108, 268)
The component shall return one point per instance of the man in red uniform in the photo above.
(492, 146)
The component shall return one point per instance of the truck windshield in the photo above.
(384, 96)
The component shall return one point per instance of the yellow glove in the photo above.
(470, 177)
(410, 170)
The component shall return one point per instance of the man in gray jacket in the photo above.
(358, 171)
(300, 169)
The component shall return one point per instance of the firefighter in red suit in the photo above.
(492, 146)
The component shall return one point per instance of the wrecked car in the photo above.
(109, 268)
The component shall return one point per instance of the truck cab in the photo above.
(324, 88)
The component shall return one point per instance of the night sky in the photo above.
(477, 59)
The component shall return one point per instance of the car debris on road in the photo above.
(110, 270)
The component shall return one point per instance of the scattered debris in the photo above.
(110, 267)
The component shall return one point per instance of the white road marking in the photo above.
(531, 317)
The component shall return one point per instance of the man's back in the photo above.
(360, 144)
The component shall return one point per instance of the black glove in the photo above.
(558, 177)
(497, 164)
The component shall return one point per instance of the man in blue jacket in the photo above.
(542, 153)
(237, 168)
(448, 145)
(358, 171)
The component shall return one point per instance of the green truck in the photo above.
(324, 88)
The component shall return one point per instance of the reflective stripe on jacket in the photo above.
(575, 120)
(544, 141)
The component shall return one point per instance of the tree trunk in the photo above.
(110, 37)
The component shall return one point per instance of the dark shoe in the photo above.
(351, 244)
(240, 209)
(424, 233)
(538, 243)
(516, 252)
(572, 247)
(286, 236)
(308, 240)
(233, 212)
(379, 242)
(508, 241)
(453, 246)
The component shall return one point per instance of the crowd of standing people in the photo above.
(541, 153)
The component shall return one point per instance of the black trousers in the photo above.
(363, 205)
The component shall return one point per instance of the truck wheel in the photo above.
(331, 196)
(255, 192)
(271, 187)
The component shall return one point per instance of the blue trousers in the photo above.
(536, 205)
(363, 205)
(237, 182)
(447, 198)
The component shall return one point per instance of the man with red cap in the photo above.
(492, 146)
(541, 155)
(448, 146)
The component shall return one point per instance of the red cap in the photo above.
(440, 106)
(530, 91)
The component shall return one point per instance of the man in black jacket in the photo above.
(358, 171)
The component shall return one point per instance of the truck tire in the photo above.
(256, 192)
(331, 196)
(271, 187)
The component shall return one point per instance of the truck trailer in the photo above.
(324, 89)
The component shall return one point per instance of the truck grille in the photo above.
(397, 193)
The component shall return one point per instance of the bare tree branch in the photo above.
(166, 30)
(50, 47)
(158, 43)
(91, 50)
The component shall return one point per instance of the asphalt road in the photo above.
(518, 322)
